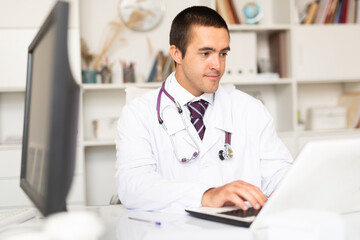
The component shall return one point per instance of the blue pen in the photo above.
(147, 221)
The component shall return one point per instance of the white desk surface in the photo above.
(173, 226)
(118, 226)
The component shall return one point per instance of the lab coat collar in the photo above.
(182, 96)
(222, 112)
(220, 116)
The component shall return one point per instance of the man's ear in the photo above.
(176, 54)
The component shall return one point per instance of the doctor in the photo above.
(231, 154)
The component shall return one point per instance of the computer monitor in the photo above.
(51, 116)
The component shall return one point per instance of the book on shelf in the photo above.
(277, 44)
(234, 11)
(338, 11)
(162, 66)
(159, 66)
(357, 12)
(153, 71)
(303, 7)
(311, 12)
(328, 11)
(320, 16)
(350, 13)
(352, 103)
(169, 67)
(344, 11)
(226, 8)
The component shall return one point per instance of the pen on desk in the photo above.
(147, 221)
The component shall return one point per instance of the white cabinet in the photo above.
(242, 44)
(330, 52)
(322, 62)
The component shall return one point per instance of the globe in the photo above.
(253, 13)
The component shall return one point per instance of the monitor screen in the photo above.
(51, 113)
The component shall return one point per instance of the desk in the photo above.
(118, 226)
(173, 226)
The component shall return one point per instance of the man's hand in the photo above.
(234, 193)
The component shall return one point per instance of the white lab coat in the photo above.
(148, 175)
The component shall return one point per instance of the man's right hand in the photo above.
(234, 193)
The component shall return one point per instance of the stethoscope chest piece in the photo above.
(227, 153)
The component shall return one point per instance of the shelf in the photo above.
(259, 81)
(327, 80)
(335, 25)
(286, 134)
(144, 84)
(99, 143)
(12, 89)
(122, 86)
(313, 133)
(246, 81)
(259, 28)
(88, 87)
(10, 146)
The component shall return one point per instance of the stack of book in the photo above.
(228, 10)
(330, 11)
(163, 65)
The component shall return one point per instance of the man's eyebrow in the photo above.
(213, 49)
(225, 49)
(207, 49)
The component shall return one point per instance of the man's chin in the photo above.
(212, 89)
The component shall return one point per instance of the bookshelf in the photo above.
(306, 84)
(321, 65)
(302, 87)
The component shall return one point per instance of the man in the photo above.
(178, 165)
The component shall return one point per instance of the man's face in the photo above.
(202, 67)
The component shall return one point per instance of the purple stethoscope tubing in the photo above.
(223, 154)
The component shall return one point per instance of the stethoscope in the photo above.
(227, 153)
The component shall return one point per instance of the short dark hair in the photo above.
(196, 15)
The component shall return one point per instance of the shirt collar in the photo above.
(182, 96)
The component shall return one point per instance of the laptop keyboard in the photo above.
(241, 213)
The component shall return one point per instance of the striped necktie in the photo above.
(197, 111)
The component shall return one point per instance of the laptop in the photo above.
(325, 176)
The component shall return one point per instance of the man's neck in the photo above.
(184, 82)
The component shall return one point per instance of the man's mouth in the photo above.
(212, 75)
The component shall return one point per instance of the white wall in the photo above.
(140, 47)
(94, 17)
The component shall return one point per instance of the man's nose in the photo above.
(215, 62)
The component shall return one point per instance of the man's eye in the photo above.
(223, 54)
(204, 54)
